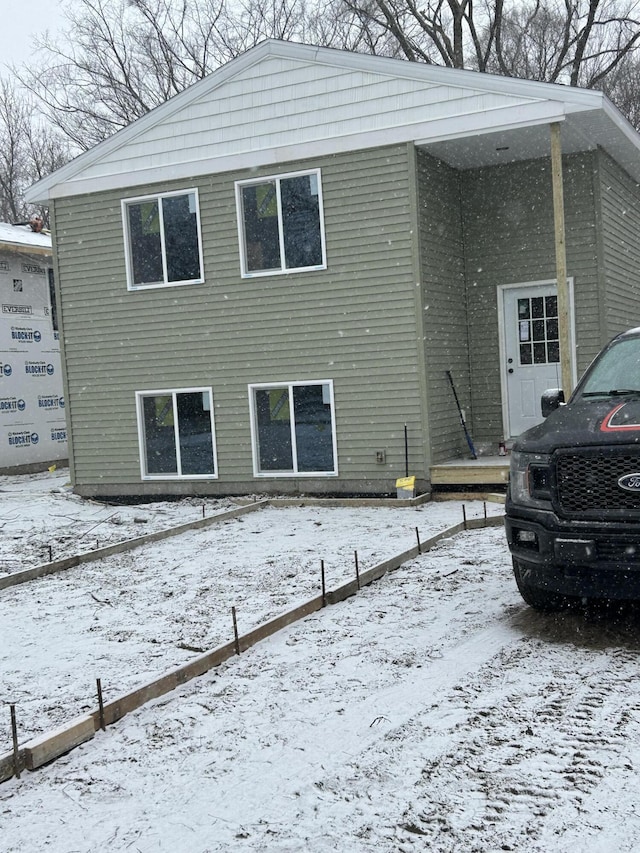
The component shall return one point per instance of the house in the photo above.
(32, 420)
(263, 282)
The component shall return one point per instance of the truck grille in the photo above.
(587, 483)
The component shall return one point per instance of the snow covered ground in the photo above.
(432, 711)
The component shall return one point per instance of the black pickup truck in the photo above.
(573, 502)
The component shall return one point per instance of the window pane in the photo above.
(144, 237)
(553, 348)
(552, 330)
(525, 354)
(314, 435)
(301, 221)
(194, 431)
(261, 236)
(539, 354)
(537, 307)
(181, 237)
(538, 330)
(524, 311)
(551, 306)
(159, 436)
(274, 429)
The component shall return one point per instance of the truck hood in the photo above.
(602, 420)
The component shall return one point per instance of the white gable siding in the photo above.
(281, 102)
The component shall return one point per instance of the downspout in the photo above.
(564, 333)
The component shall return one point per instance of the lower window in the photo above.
(176, 433)
(293, 429)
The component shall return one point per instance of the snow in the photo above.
(431, 711)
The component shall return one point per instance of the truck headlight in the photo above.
(529, 479)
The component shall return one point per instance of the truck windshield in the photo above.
(616, 373)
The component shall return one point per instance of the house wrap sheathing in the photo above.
(32, 418)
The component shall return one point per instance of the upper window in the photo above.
(281, 224)
(293, 429)
(176, 433)
(162, 240)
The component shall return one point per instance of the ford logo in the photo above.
(630, 482)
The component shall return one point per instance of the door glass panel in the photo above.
(525, 354)
(537, 307)
(542, 329)
(539, 354)
(313, 426)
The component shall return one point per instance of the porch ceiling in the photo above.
(584, 131)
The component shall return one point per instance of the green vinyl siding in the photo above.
(353, 323)
(444, 304)
(620, 218)
(509, 239)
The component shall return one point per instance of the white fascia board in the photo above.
(420, 133)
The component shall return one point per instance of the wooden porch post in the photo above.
(561, 261)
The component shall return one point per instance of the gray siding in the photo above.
(509, 239)
(620, 217)
(444, 304)
(354, 323)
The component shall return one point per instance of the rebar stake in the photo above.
(14, 735)
(355, 554)
(235, 630)
(324, 587)
(100, 704)
(419, 543)
(464, 516)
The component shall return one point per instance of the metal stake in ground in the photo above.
(236, 638)
(14, 735)
(355, 554)
(419, 542)
(324, 586)
(100, 704)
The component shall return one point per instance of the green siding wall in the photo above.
(620, 218)
(354, 323)
(509, 239)
(444, 304)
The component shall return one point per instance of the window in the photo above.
(176, 433)
(293, 429)
(162, 240)
(281, 224)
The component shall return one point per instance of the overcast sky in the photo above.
(20, 21)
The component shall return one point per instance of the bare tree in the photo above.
(579, 43)
(121, 58)
(28, 151)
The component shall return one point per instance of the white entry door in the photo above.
(531, 352)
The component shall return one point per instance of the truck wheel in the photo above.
(535, 597)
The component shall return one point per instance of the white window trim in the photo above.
(124, 203)
(263, 386)
(244, 272)
(141, 443)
